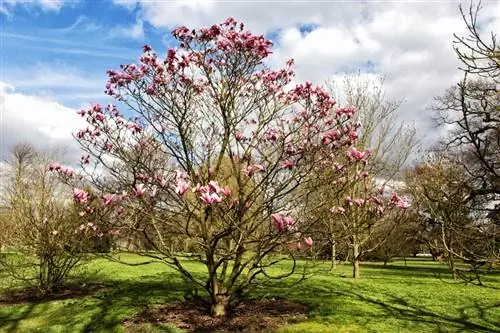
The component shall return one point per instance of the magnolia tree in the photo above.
(359, 212)
(42, 231)
(217, 150)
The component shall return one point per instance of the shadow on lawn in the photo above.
(398, 307)
(390, 306)
(103, 311)
(437, 272)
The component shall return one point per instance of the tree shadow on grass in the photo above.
(384, 306)
(101, 312)
(398, 307)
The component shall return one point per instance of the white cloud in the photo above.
(135, 31)
(409, 43)
(45, 5)
(58, 81)
(42, 122)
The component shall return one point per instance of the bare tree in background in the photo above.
(44, 238)
(391, 140)
(471, 110)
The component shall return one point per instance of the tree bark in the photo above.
(334, 255)
(219, 305)
(355, 272)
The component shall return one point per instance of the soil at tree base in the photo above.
(251, 316)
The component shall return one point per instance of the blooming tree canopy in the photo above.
(216, 151)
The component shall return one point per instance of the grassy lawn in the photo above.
(419, 297)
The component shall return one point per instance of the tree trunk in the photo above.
(355, 255)
(452, 266)
(334, 255)
(219, 305)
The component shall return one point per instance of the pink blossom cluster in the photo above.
(283, 223)
(62, 170)
(212, 192)
(80, 196)
(251, 169)
(401, 202)
(356, 155)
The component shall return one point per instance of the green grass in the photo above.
(419, 297)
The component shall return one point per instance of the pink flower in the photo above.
(54, 166)
(99, 117)
(288, 165)
(298, 246)
(66, 171)
(289, 221)
(214, 186)
(308, 241)
(282, 223)
(108, 146)
(85, 159)
(359, 202)
(208, 198)
(248, 171)
(81, 214)
(401, 202)
(108, 199)
(259, 167)
(278, 221)
(226, 191)
(139, 190)
(239, 136)
(339, 210)
(80, 195)
(181, 187)
(120, 211)
(358, 156)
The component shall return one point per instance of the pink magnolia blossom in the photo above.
(139, 190)
(181, 187)
(109, 199)
(401, 202)
(308, 241)
(226, 191)
(80, 195)
(359, 201)
(214, 186)
(66, 171)
(239, 136)
(248, 171)
(209, 198)
(282, 223)
(288, 165)
(85, 159)
(54, 166)
(358, 156)
(337, 210)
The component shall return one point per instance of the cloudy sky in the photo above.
(55, 53)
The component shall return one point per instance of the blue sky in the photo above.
(55, 53)
(77, 44)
